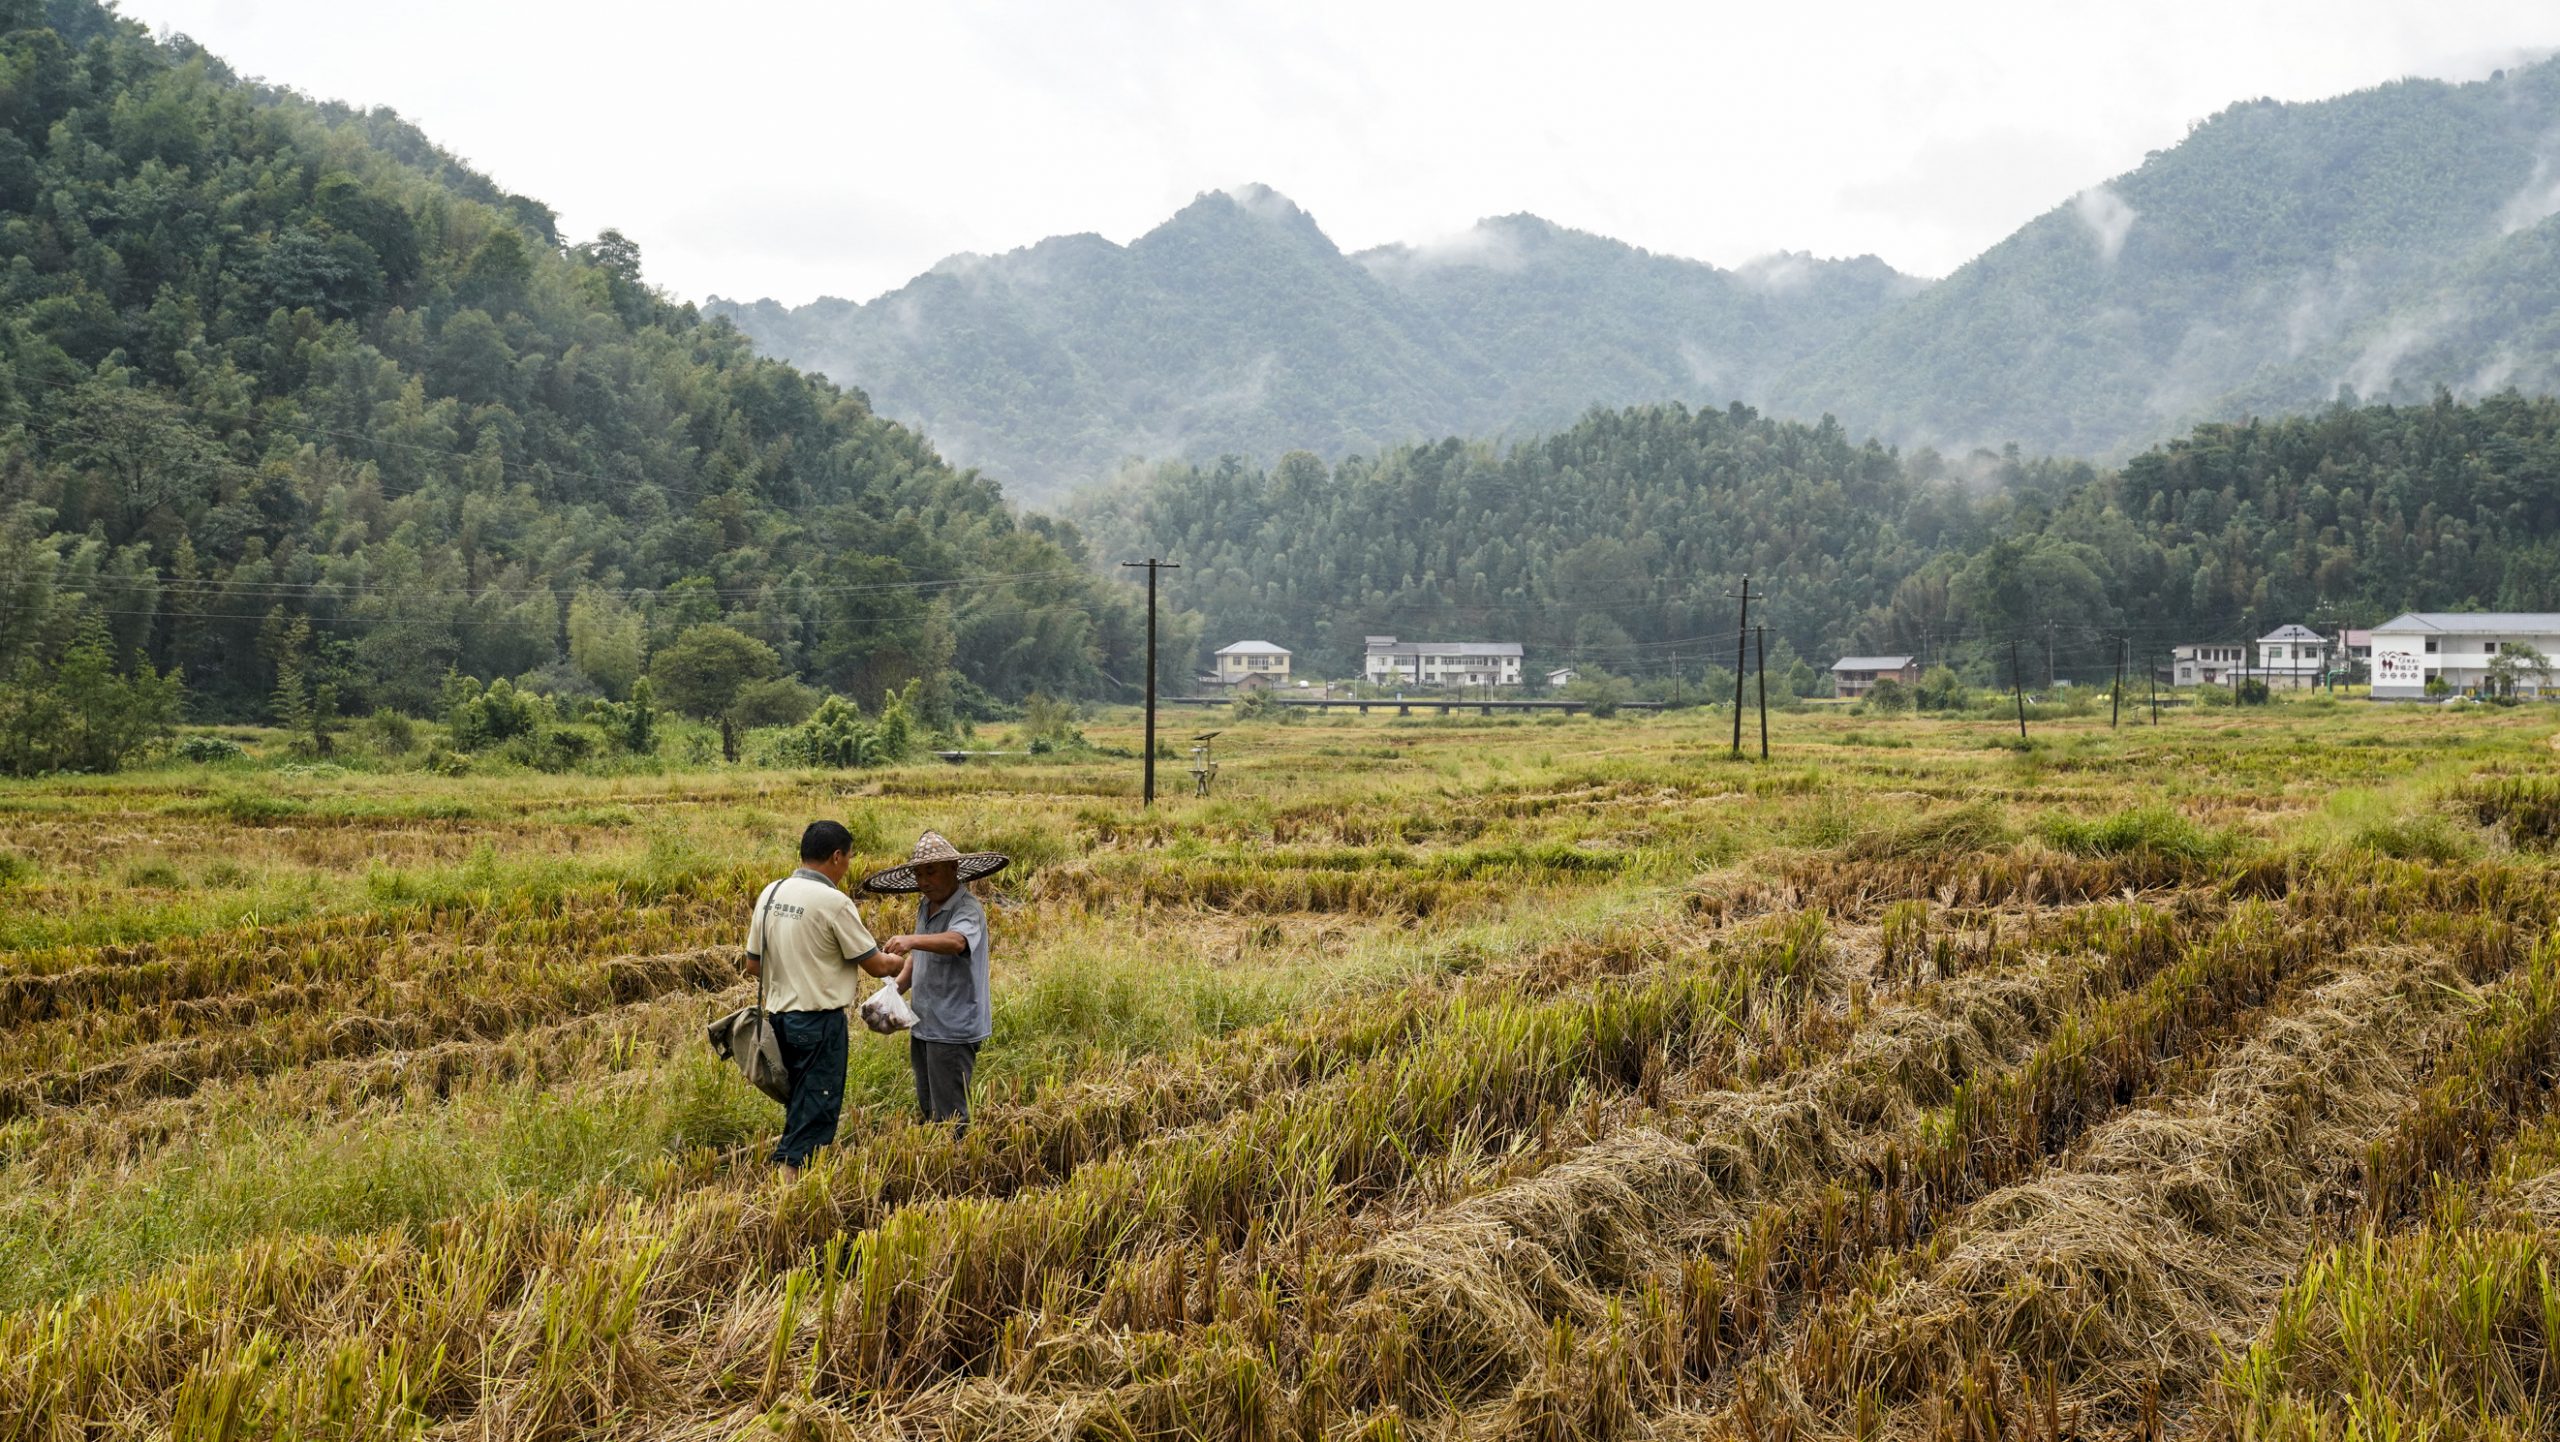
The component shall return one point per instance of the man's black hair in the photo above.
(824, 839)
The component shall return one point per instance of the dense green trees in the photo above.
(1617, 544)
(266, 363)
(1612, 544)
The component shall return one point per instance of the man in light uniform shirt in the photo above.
(809, 947)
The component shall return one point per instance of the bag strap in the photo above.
(764, 918)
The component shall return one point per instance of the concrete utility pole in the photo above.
(1152, 566)
(1761, 653)
(1741, 643)
(2049, 677)
(2115, 708)
(2018, 687)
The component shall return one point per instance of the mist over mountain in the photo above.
(1238, 326)
(2387, 243)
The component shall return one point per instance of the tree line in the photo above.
(288, 394)
(1619, 544)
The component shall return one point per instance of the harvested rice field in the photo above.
(1438, 1078)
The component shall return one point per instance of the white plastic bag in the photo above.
(887, 1011)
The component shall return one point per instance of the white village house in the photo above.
(2291, 658)
(1390, 662)
(1253, 663)
(2458, 646)
(2208, 663)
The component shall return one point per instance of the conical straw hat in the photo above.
(933, 847)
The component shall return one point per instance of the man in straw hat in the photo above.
(805, 946)
(943, 969)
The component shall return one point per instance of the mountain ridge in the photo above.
(2388, 242)
(1237, 324)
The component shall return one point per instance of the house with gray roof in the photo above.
(2292, 658)
(2458, 647)
(1855, 676)
(1253, 663)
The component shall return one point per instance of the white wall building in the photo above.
(2209, 663)
(2291, 658)
(2409, 650)
(1390, 662)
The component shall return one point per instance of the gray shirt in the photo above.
(949, 990)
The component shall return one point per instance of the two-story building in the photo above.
(1854, 676)
(2207, 663)
(2292, 658)
(1253, 663)
(2410, 650)
(1390, 662)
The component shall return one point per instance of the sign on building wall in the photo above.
(2398, 668)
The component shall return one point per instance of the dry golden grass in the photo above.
(1440, 1078)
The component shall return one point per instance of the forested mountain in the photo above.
(286, 389)
(1618, 543)
(2388, 242)
(1237, 327)
(2385, 243)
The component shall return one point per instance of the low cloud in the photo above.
(2108, 218)
(2377, 366)
(2538, 199)
(1481, 246)
(1783, 273)
(1705, 369)
(1262, 200)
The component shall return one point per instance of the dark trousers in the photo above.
(813, 1046)
(942, 1078)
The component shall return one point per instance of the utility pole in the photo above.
(2050, 680)
(2115, 708)
(2155, 695)
(2018, 687)
(1761, 651)
(1742, 639)
(1152, 566)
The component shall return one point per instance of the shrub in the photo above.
(834, 735)
(79, 713)
(1604, 694)
(1887, 696)
(1050, 725)
(1255, 704)
(631, 726)
(478, 718)
(210, 750)
(779, 701)
(1941, 690)
(389, 732)
(550, 748)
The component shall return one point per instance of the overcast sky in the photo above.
(797, 148)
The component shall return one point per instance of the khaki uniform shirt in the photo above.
(806, 938)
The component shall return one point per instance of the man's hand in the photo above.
(898, 945)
